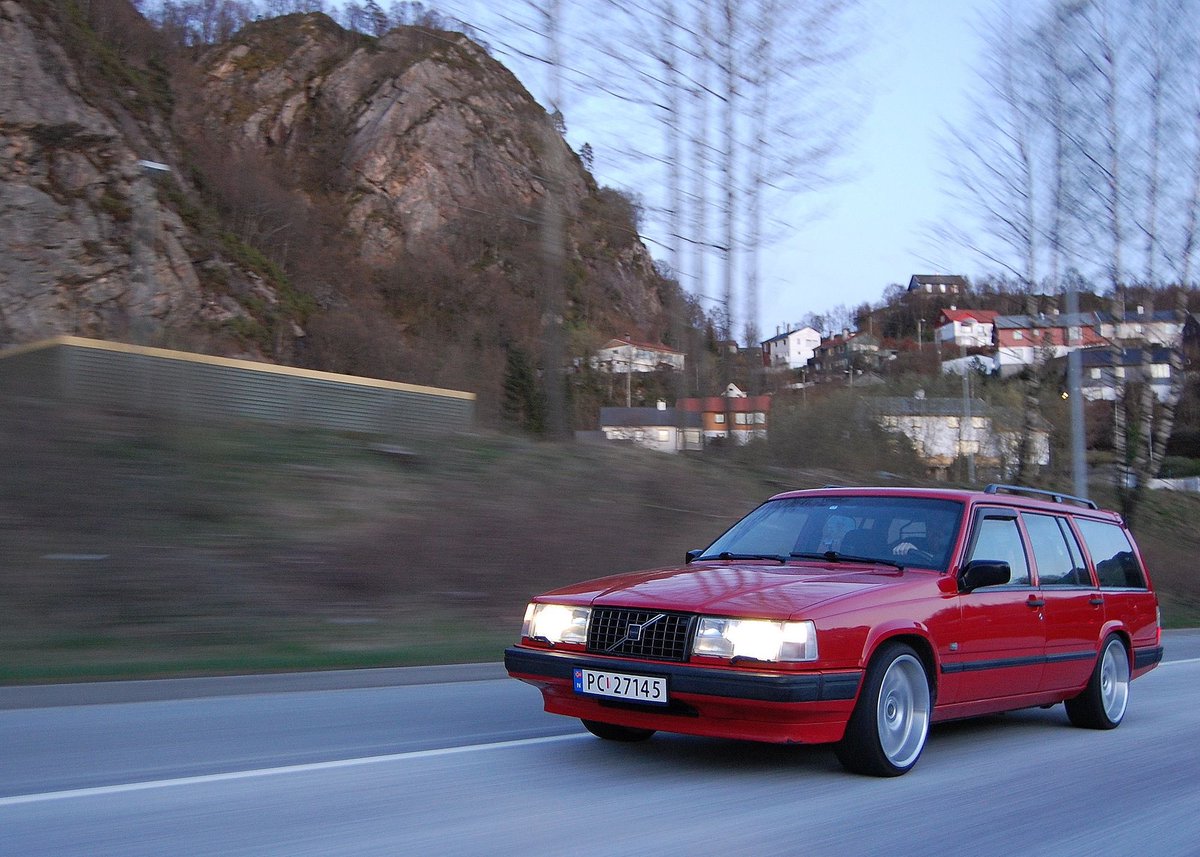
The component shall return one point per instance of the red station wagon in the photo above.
(857, 617)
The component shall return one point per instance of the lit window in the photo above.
(1095, 373)
(719, 419)
(664, 435)
(1160, 370)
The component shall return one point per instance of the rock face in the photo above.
(85, 245)
(423, 126)
(322, 186)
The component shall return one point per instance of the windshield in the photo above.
(912, 531)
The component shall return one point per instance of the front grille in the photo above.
(660, 636)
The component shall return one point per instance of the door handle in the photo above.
(1096, 601)
(1035, 602)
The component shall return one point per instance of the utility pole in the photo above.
(1074, 396)
(965, 444)
(629, 372)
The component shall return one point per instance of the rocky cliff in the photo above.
(369, 205)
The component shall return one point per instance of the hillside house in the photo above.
(1107, 370)
(944, 430)
(1161, 327)
(792, 349)
(622, 356)
(965, 328)
(839, 356)
(937, 284)
(733, 415)
(1025, 340)
(660, 428)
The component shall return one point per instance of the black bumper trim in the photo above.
(1147, 657)
(760, 686)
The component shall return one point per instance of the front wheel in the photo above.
(887, 730)
(612, 732)
(1102, 703)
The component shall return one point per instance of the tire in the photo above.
(1103, 702)
(612, 732)
(888, 727)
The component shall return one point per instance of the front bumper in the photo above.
(808, 707)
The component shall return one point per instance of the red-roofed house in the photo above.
(970, 328)
(734, 415)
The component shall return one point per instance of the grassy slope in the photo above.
(136, 547)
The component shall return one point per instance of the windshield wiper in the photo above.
(727, 555)
(834, 556)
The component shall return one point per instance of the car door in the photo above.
(1001, 637)
(1074, 608)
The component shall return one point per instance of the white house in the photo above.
(943, 430)
(621, 356)
(661, 429)
(792, 349)
(965, 328)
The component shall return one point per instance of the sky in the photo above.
(873, 227)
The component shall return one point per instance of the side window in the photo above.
(998, 538)
(1112, 554)
(1082, 575)
(1059, 562)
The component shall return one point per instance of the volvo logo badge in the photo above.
(633, 633)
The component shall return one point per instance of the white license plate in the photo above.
(638, 688)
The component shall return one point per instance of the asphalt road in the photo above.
(453, 761)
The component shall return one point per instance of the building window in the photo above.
(760, 418)
(1119, 371)
(1018, 334)
(1095, 374)
(1160, 370)
(719, 419)
(664, 435)
(739, 419)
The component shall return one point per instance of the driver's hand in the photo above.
(904, 548)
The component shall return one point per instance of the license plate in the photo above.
(637, 688)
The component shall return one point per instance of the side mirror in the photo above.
(690, 556)
(983, 572)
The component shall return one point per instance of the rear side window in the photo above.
(1112, 554)
(997, 538)
(1059, 561)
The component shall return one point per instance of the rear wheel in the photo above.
(1103, 702)
(887, 730)
(612, 732)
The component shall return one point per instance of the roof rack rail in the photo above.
(1056, 496)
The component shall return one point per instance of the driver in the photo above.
(937, 537)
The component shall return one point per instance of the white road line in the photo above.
(1176, 663)
(98, 791)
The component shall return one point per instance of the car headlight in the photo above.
(556, 623)
(756, 639)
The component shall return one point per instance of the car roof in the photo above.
(1049, 503)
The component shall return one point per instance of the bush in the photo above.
(838, 432)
